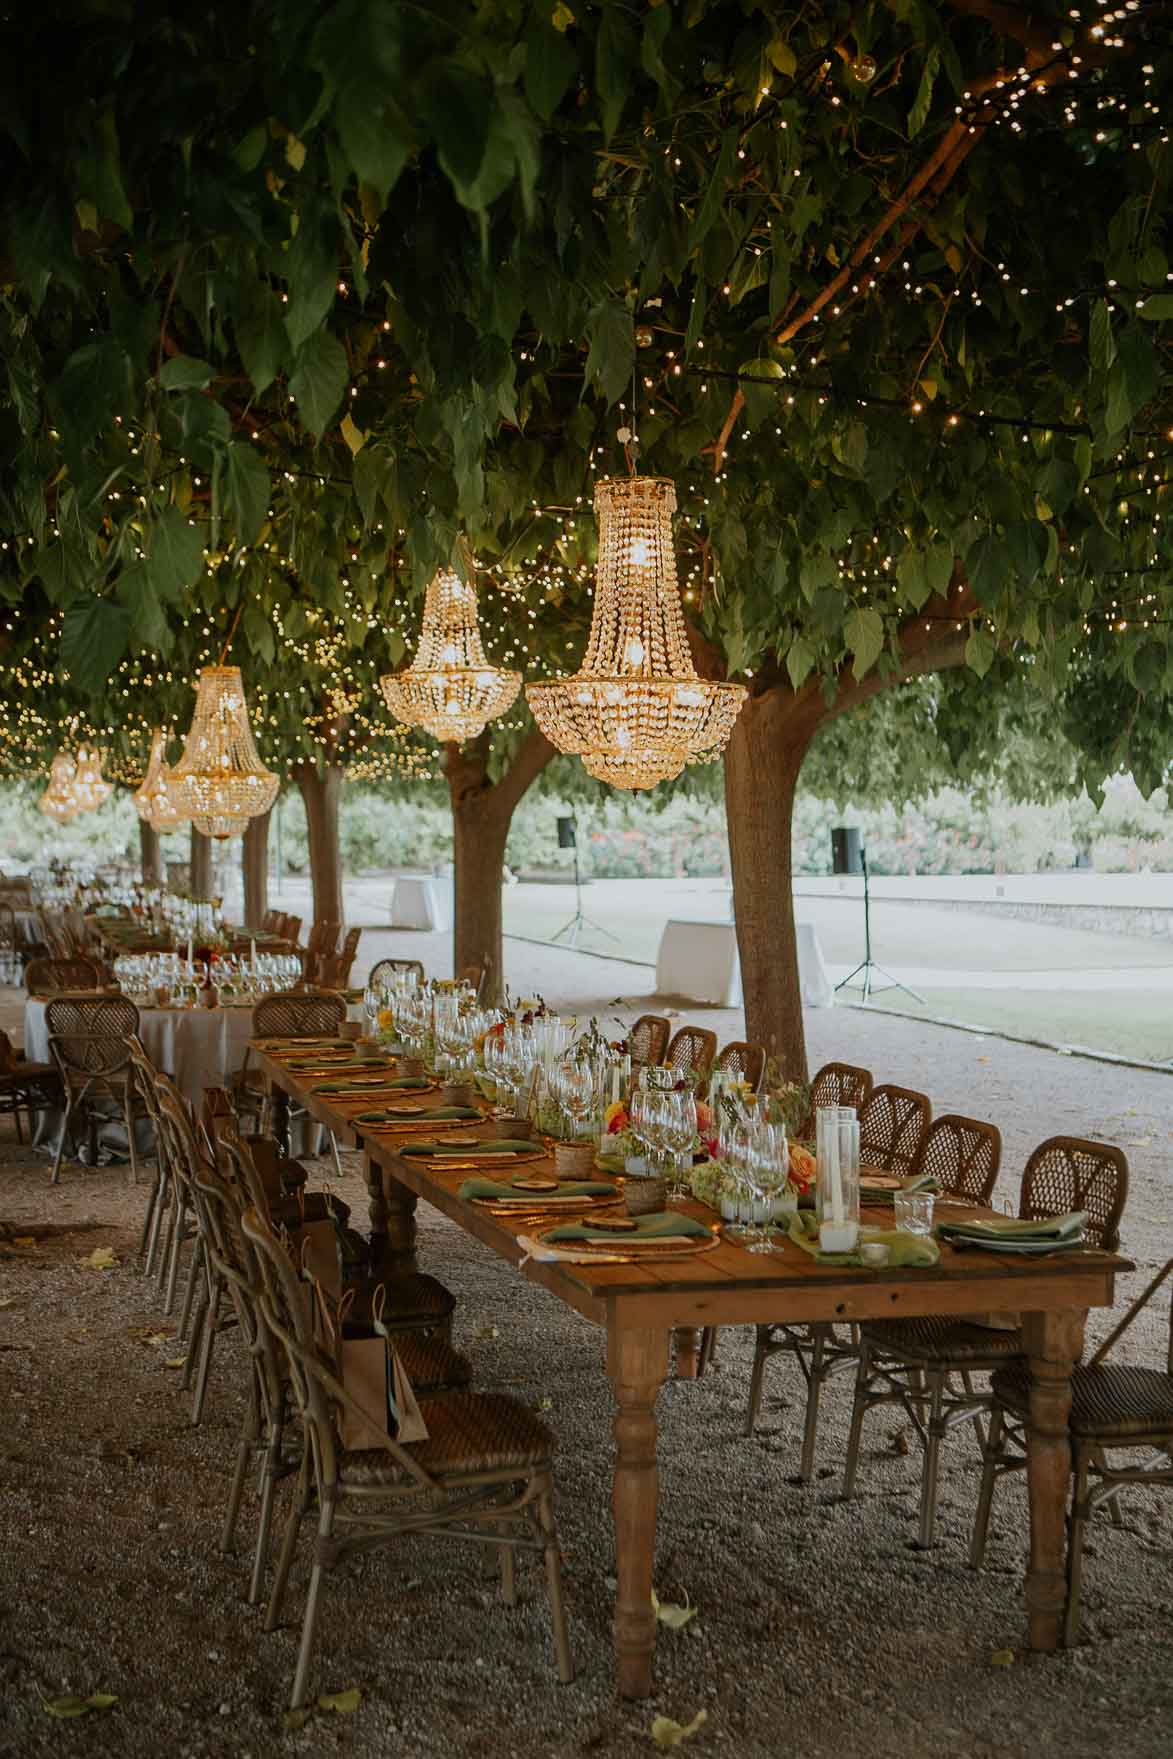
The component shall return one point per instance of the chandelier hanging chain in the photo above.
(231, 632)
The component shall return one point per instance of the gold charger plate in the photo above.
(637, 1250)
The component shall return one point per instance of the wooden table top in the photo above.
(727, 1285)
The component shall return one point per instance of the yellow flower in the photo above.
(386, 1017)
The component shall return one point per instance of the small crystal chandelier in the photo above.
(155, 799)
(221, 828)
(636, 712)
(450, 689)
(220, 777)
(89, 786)
(59, 801)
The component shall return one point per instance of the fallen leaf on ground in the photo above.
(666, 1732)
(489, 1331)
(156, 1337)
(175, 1362)
(295, 1719)
(1003, 1658)
(544, 1405)
(73, 1706)
(670, 1613)
(23, 1240)
(345, 1701)
(101, 1258)
(8, 1301)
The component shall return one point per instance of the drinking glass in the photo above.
(913, 1211)
(574, 1088)
(372, 1004)
(769, 1169)
(679, 1135)
(735, 1138)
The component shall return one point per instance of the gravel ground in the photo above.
(818, 1631)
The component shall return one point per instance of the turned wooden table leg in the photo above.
(392, 1212)
(1053, 1344)
(637, 1362)
(279, 1116)
(688, 1351)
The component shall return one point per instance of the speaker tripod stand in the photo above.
(578, 921)
(867, 965)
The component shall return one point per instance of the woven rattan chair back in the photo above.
(746, 1062)
(648, 1039)
(963, 1155)
(383, 971)
(8, 940)
(1065, 1173)
(87, 1034)
(296, 1015)
(46, 977)
(892, 1126)
(840, 1084)
(692, 1051)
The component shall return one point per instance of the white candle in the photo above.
(835, 1177)
(838, 1236)
(252, 952)
(189, 949)
(615, 1085)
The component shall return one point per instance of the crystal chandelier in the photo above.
(221, 828)
(636, 712)
(89, 787)
(450, 689)
(220, 776)
(155, 797)
(59, 801)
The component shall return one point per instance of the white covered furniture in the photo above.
(421, 901)
(698, 960)
(197, 1047)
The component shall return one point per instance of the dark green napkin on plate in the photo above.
(393, 1084)
(1057, 1230)
(569, 1188)
(466, 1151)
(445, 1114)
(668, 1225)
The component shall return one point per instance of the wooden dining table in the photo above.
(639, 1305)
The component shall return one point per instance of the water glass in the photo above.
(913, 1211)
(837, 1189)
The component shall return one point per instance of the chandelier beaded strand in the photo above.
(155, 798)
(636, 712)
(450, 690)
(220, 779)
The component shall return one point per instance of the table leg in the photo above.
(1053, 1345)
(637, 1362)
(279, 1116)
(392, 1211)
(688, 1351)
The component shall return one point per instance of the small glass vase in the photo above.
(837, 1188)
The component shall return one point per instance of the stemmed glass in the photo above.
(679, 1133)
(574, 1089)
(372, 1007)
(736, 1141)
(768, 1170)
(640, 1114)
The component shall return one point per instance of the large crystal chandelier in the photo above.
(90, 788)
(636, 712)
(220, 778)
(155, 798)
(221, 828)
(450, 689)
(59, 801)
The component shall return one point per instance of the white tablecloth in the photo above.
(698, 960)
(197, 1047)
(421, 901)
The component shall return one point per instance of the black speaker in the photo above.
(846, 855)
(566, 836)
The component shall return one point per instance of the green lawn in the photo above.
(1130, 1023)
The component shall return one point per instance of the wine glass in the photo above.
(736, 1139)
(574, 1087)
(679, 1132)
(372, 1006)
(768, 1170)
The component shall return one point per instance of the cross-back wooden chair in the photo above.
(203, 1303)
(483, 1474)
(691, 1052)
(926, 1366)
(87, 1041)
(1113, 1407)
(648, 1039)
(160, 1219)
(334, 972)
(384, 969)
(49, 977)
(745, 1062)
(25, 1087)
(892, 1125)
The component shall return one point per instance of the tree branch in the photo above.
(531, 758)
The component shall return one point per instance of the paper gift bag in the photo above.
(374, 1378)
(406, 1418)
(316, 1247)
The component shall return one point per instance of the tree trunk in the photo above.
(256, 870)
(201, 865)
(762, 765)
(480, 829)
(151, 854)
(321, 790)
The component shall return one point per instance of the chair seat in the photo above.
(467, 1432)
(1107, 1404)
(431, 1365)
(943, 1341)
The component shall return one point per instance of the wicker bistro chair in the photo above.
(691, 1052)
(25, 1087)
(927, 1365)
(745, 1062)
(892, 1126)
(1112, 1408)
(648, 1039)
(962, 1155)
(321, 945)
(49, 977)
(290, 1014)
(837, 1084)
(87, 1040)
(383, 971)
(484, 1473)
(334, 972)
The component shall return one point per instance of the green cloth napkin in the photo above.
(905, 1251)
(1063, 1230)
(398, 1083)
(611, 1163)
(569, 1188)
(668, 1225)
(886, 1193)
(491, 1145)
(445, 1114)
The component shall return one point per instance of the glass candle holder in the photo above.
(837, 1188)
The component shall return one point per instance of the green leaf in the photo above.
(65, 1707)
(313, 272)
(318, 381)
(258, 632)
(611, 334)
(781, 56)
(149, 627)
(714, 197)
(185, 373)
(918, 115)
(550, 65)
(1157, 307)
(94, 635)
(347, 1702)
(457, 106)
(376, 138)
(863, 631)
(616, 58)
(247, 485)
(979, 652)
(175, 557)
(101, 1700)
(913, 579)
(987, 566)
(1132, 380)
(800, 659)
(262, 340)
(1101, 343)
(64, 569)
(90, 391)
(939, 567)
